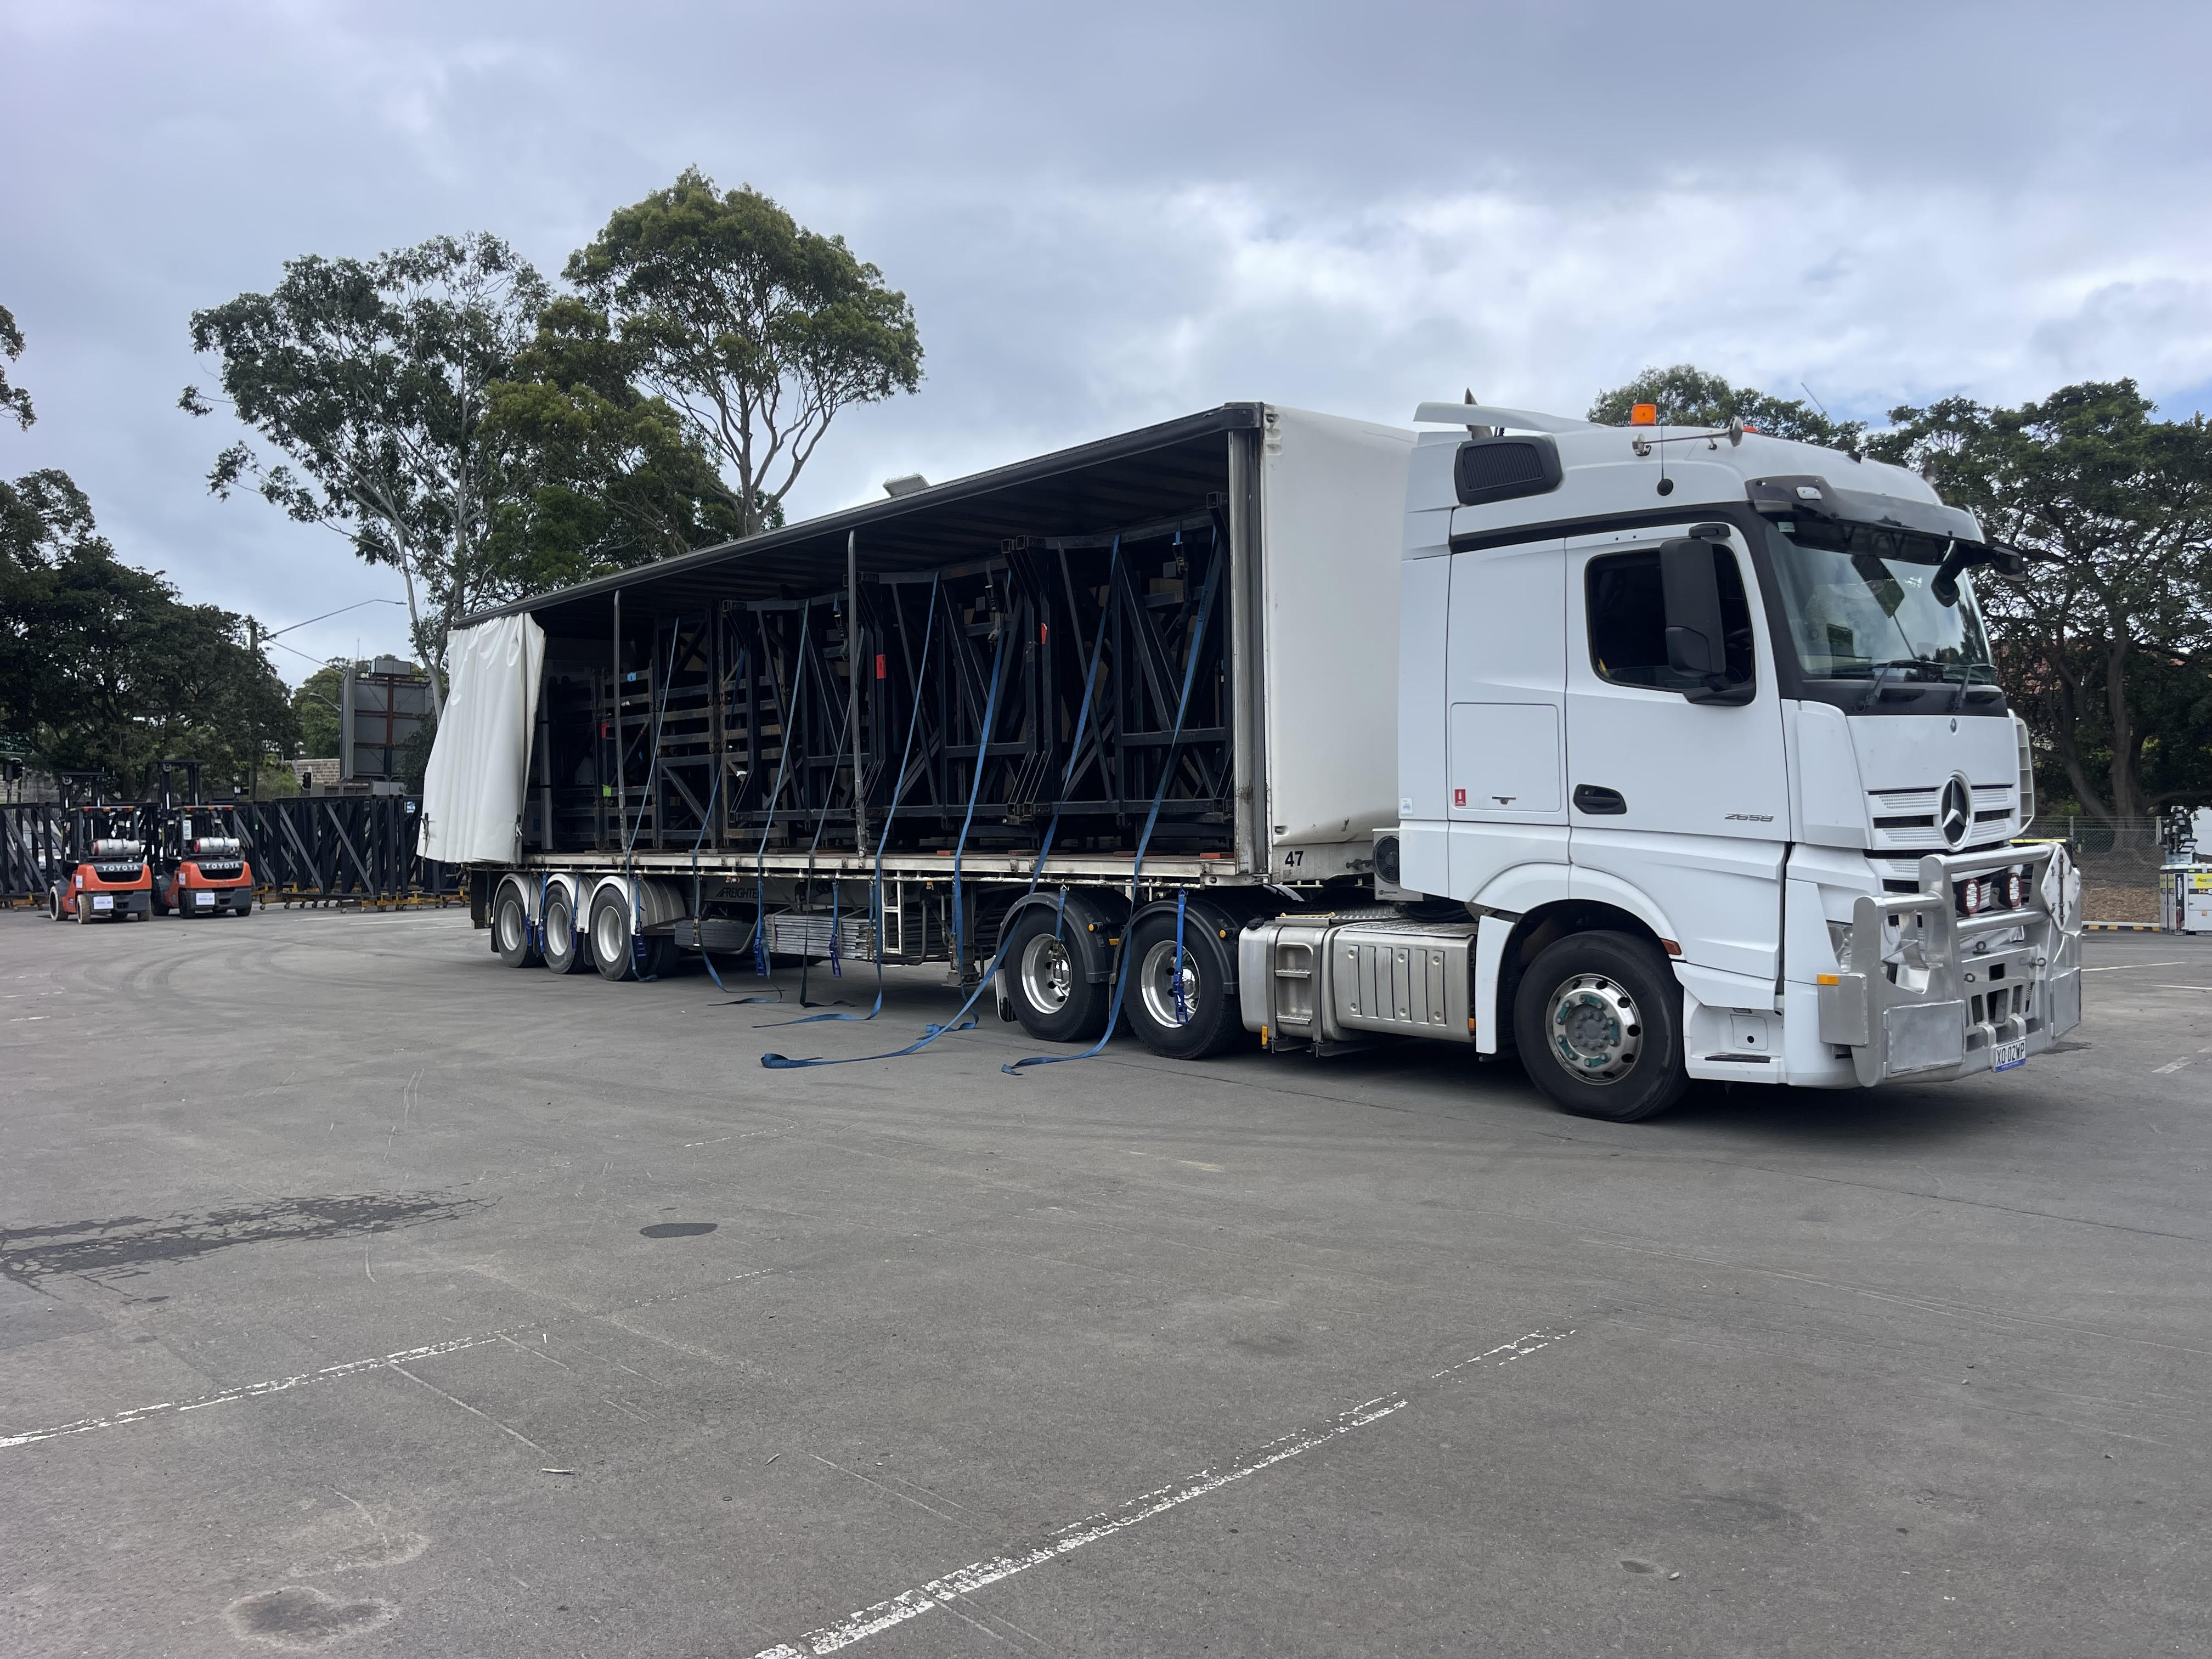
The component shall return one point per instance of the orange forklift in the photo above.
(200, 867)
(102, 874)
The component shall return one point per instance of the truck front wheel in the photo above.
(1179, 1004)
(1599, 1022)
(1048, 970)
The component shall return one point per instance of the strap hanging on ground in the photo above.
(1144, 840)
(899, 793)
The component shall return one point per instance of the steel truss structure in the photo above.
(740, 728)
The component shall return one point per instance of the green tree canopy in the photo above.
(14, 400)
(755, 329)
(106, 668)
(372, 379)
(1687, 396)
(2106, 637)
(605, 477)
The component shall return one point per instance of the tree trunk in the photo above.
(2127, 787)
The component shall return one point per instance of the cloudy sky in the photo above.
(1108, 215)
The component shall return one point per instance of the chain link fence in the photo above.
(2120, 860)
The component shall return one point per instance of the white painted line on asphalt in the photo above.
(250, 1390)
(2129, 967)
(2161, 1071)
(980, 1575)
(2181, 988)
(396, 1362)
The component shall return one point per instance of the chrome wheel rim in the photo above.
(611, 934)
(559, 930)
(1048, 973)
(512, 932)
(1155, 984)
(1596, 1030)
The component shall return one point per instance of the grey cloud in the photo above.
(1108, 216)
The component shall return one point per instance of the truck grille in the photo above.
(1903, 820)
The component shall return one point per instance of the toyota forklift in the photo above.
(102, 874)
(200, 867)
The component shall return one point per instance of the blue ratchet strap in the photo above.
(814, 846)
(1175, 969)
(1144, 841)
(975, 789)
(698, 920)
(959, 1022)
(652, 770)
(1075, 749)
(768, 828)
(899, 793)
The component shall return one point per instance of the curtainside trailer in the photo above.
(1645, 755)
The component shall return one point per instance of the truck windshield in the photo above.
(1861, 601)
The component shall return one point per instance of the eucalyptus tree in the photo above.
(756, 329)
(2106, 637)
(1687, 396)
(372, 380)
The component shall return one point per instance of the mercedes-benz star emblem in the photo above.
(1956, 816)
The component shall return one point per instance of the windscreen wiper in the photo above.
(1882, 674)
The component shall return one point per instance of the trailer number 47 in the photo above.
(1294, 858)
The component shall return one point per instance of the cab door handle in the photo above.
(1599, 801)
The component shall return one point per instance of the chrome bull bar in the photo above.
(1924, 993)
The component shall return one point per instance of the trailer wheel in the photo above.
(510, 928)
(614, 952)
(1053, 996)
(1205, 1019)
(1599, 1023)
(566, 951)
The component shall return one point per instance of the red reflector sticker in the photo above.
(882, 671)
(1459, 798)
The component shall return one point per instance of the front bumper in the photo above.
(1927, 994)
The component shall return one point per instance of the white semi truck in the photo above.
(1643, 754)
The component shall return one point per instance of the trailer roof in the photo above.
(1092, 488)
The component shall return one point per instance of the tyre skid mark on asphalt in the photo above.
(980, 1575)
(396, 1362)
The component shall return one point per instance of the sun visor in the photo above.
(1810, 496)
(472, 792)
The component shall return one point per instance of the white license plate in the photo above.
(103, 901)
(203, 898)
(2006, 1055)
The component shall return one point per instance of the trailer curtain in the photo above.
(472, 792)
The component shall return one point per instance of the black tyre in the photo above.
(510, 928)
(54, 902)
(1048, 976)
(1180, 1005)
(160, 904)
(614, 952)
(1598, 1019)
(567, 950)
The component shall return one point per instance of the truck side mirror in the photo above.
(1697, 635)
(1694, 644)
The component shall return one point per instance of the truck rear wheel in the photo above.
(1049, 973)
(510, 928)
(1598, 1019)
(1180, 1004)
(566, 952)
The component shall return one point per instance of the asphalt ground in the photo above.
(363, 1295)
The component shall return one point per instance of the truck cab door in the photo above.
(1505, 674)
(1683, 800)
